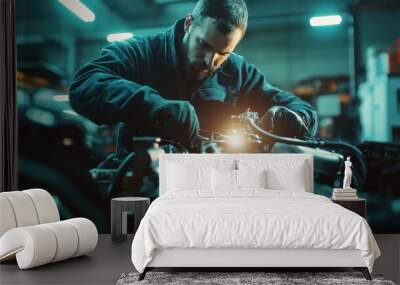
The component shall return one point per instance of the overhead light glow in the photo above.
(325, 20)
(119, 37)
(70, 112)
(61, 98)
(79, 9)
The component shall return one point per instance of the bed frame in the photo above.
(242, 259)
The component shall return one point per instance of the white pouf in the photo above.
(46, 208)
(31, 232)
(7, 220)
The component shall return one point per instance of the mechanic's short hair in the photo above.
(230, 14)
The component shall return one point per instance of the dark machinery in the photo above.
(133, 170)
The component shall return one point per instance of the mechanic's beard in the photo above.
(199, 71)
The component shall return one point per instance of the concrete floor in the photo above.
(106, 264)
(102, 266)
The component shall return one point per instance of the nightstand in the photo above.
(358, 206)
(120, 208)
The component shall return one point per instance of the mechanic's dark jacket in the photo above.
(129, 76)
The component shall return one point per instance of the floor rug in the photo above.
(243, 278)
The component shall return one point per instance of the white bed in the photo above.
(280, 224)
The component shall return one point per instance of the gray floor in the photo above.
(110, 260)
(389, 262)
(103, 266)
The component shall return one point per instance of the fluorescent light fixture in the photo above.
(325, 20)
(79, 9)
(119, 37)
(61, 98)
(70, 112)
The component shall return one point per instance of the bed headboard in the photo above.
(213, 159)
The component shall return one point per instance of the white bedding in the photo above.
(251, 218)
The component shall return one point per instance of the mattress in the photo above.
(251, 219)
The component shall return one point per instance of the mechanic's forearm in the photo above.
(109, 99)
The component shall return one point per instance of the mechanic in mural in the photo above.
(174, 83)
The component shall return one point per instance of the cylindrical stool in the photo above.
(120, 207)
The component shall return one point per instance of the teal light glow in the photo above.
(79, 9)
(325, 20)
(119, 37)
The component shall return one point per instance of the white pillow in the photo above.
(181, 177)
(251, 178)
(223, 179)
(293, 179)
(282, 174)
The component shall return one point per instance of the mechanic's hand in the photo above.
(283, 122)
(175, 120)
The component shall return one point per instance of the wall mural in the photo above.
(84, 154)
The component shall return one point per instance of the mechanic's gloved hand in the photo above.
(175, 120)
(283, 122)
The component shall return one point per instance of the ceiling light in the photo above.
(79, 9)
(119, 37)
(325, 20)
(61, 98)
(70, 112)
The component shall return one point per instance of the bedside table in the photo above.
(120, 208)
(358, 206)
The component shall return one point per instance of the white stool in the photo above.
(31, 231)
